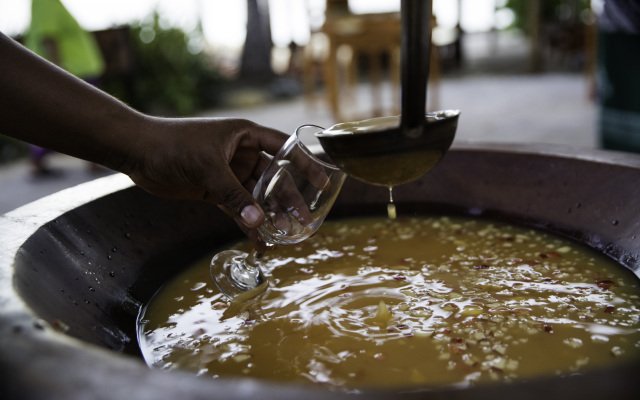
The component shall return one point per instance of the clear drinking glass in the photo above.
(296, 192)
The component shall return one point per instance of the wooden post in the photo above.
(535, 52)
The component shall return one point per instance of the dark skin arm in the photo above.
(216, 160)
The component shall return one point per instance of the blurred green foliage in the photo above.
(169, 77)
(551, 11)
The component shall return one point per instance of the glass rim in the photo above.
(310, 153)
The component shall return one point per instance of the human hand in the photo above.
(216, 160)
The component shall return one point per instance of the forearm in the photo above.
(44, 105)
(216, 160)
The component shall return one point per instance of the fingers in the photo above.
(251, 216)
(215, 160)
(269, 140)
(231, 191)
(222, 187)
(286, 200)
(250, 179)
(252, 234)
(315, 172)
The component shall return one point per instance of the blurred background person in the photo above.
(55, 35)
(619, 76)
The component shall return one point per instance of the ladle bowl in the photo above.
(387, 156)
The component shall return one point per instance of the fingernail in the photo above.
(250, 215)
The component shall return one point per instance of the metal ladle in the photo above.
(391, 151)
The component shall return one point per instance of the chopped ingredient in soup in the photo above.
(403, 303)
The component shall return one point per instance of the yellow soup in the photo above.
(402, 303)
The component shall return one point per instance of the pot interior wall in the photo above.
(89, 271)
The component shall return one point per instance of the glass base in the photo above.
(232, 275)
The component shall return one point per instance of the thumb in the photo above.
(236, 200)
(251, 216)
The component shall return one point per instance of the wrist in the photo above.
(127, 141)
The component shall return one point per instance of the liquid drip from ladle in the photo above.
(391, 207)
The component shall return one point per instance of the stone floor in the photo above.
(545, 108)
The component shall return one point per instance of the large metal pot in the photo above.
(76, 267)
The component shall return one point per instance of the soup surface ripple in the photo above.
(409, 302)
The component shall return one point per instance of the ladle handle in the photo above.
(415, 53)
